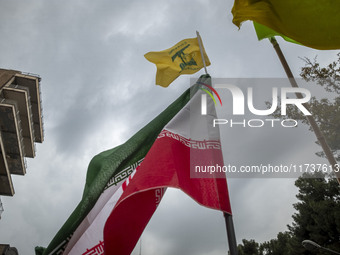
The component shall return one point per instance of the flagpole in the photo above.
(228, 218)
(310, 119)
(201, 50)
(230, 233)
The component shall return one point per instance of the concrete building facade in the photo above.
(21, 124)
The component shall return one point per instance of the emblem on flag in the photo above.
(182, 58)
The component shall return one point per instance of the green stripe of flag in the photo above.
(263, 32)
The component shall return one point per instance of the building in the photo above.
(5, 249)
(21, 124)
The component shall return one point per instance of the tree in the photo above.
(318, 213)
(248, 248)
(325, 111)
(317, 218)
(278, 246)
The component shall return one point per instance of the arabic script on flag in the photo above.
(96, 250)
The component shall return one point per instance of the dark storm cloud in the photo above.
(98, 90)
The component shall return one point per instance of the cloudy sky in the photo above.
(98, 90)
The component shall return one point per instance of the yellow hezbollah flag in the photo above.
(183, 58)
(313, 23)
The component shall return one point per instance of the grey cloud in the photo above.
(98, 90)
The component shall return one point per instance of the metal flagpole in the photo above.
(310, 119)
(201, 50)
(228, 218)
(230, 233)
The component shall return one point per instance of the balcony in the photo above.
(21, 124)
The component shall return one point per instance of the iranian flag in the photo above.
(124, 185)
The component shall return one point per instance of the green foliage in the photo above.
(248, 247)
(327, 77)
(317, 218)
(318, 212)
(278, 246)
(326, 112)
